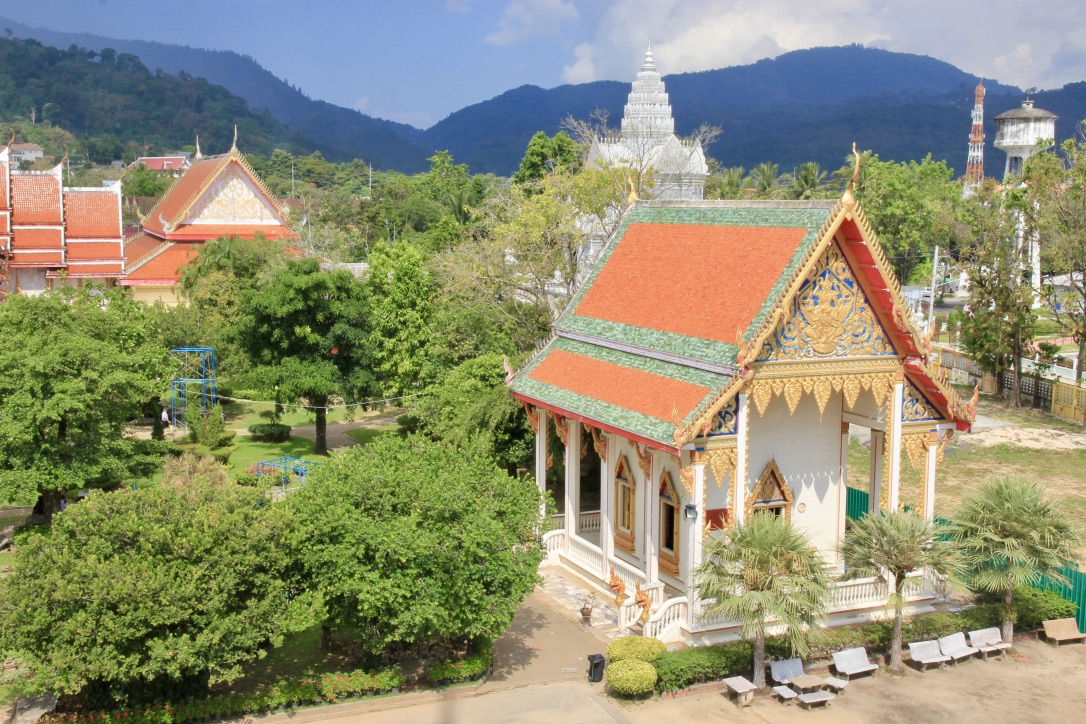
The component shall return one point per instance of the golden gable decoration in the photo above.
(772, 491)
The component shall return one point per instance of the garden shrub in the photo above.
(270, 432)
(981, 616)
(679, 669)
(471, 667)
(1032, 606)
(631, 677)
(635, 647)
(206, 429)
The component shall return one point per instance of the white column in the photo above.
(541, 449)
(652, 520)
(573, 476)
(929, 476)
(738, 505)
(878, 447)
(895, 445)
(693, 540)
(842, 487)
(607, 505)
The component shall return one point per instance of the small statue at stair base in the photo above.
(618, 587)
(644, 602)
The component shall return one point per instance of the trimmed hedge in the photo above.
(470, 668)
(1033, 606)
(631, 677)
(270, 432)
(635, 647)
(679, 669)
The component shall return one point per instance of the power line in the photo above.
(321, 407)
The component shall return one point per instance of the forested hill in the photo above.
(111, 100)
(341, 134)
(808, 105)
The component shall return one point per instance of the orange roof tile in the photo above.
(3, 186)
(36, 258)
(166, 267)
(135, 249)
(659, 277)
(636, 390)
(92, 214)
(107, 270)
(37, 238)
(94, 250)
(35, 198)
(182, 192)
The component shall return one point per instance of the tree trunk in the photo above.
(759, 660)
(896, 665)
(321, 430)
(1081, 357)
(1008, 613)
(49, 501)
(1016, 388)
(324, 643)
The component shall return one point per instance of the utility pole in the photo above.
(292, 179)
(934, 281)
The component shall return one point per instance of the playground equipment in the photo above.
(193, 389)
(283, 470)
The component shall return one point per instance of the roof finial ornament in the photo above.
(850, 187)
(633, 198)
(63, 160)
(198, 155)
(12, 136)
(234, 146)
(648, 64)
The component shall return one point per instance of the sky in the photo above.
(416, 61)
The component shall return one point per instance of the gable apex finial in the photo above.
(198, 155)
(234, 145)
(648, 64)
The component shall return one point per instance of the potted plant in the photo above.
(587, 604)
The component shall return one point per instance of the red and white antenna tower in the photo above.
(974, 165)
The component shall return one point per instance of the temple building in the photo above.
(55, 235)
(711, 367)
(217, 196)
(647, 143)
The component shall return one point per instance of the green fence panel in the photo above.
(856, 503)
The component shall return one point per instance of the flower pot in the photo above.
(395, 690)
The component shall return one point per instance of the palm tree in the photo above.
(185, 469)
(764, 179)
(765, 573)
(896, 544)
(807, 182)
(1012, 536)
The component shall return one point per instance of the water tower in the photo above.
(1018, 132)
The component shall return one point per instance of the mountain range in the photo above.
(807, 105)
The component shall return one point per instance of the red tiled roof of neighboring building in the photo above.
(694, 280)
(36, 258)
(94, 250)
(135, 249)
(26, 147)
(37, 239)
(160, 163)
(182, 193)
(630, 389)
(35, 198)
(100, 270)
(92, 214)
(165, 267)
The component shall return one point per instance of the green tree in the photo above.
(807, 182)
(133, 593)
(726, 183)
(412, 540)
(999, 323)
(145, 182)
(763, 573)
(764, 180)
(401, 294)
(1011, 535)
(305, 331)
(544, 155)
(74, 369)
(897, 544)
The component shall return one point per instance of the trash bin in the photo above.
(596, 662)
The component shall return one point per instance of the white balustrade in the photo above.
(704, 621)
(588, 520)
(860, 593)
(558, 522)
(674, 610)
(629, 575)
(589, 556)
(628, 613)
(553, 540)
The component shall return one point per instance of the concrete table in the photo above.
(807, 682)
(744, 689)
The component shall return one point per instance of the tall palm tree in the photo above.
(896, 544)
(765, 180)
(1012, 536)
(807, 182)
(765, 573)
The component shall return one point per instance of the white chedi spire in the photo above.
(648, 112)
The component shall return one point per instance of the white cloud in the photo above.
(524, 19)
(1021, 43)
(361, 102)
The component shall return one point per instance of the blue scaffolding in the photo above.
(193, 389)
(284, 470)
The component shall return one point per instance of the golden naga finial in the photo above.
(12, 137)
(198, 155)
(633, 198)
(65, 156)
(509, 371)
(742, 359)
(618, 587)
(644, 603)
(928, 333)
(971, 408)
(234, 145)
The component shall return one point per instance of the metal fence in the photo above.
(857, 503)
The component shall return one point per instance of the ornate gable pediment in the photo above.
(771, 491)
(233, 198)
(829, 318)
(916, 407)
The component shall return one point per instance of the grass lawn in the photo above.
(366, 435)
(250, 451)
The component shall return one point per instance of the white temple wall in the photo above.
(626, 450)
(808, 454)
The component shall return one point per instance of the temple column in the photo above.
(573, 476)
(894, 421)
(878, 453)
(607, 505)
(928, 502)
(739, 485)
(651, 498)
(842, 487)
(540, 448)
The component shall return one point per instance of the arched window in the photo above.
(771, 494)
(669, 526)
(625, 506)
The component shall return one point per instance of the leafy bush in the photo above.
(270, 432)
(1032, 606)
(631, 677)
(206, 429)
(984, 615)
(679, 669)
(471, 667)
(635, 647)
